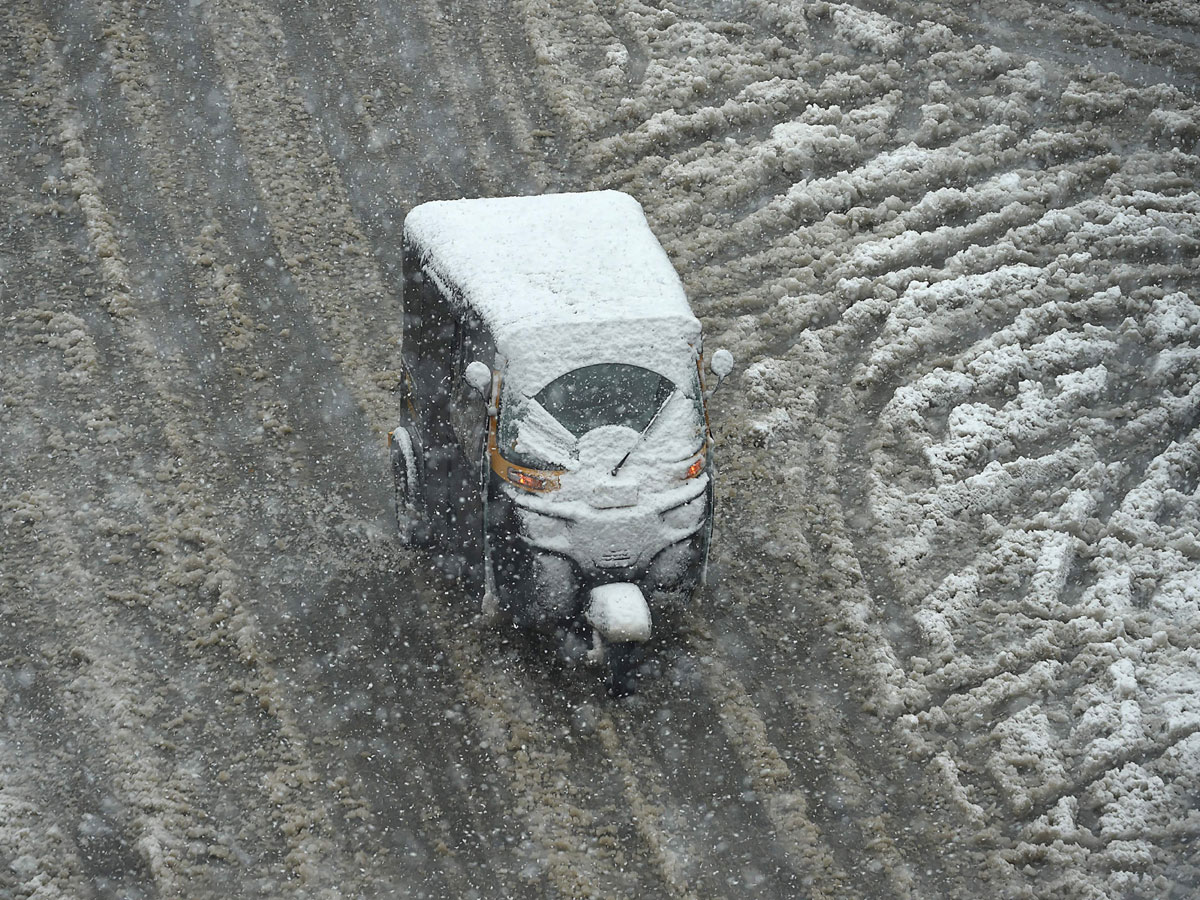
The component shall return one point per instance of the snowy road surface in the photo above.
(954, 645)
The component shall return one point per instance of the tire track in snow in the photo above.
(810, 843)
(48, 351)
(227, 622)
(318, 237)
(361, 71)
(648, 814)
(1023, 673)
(250, 381)
(222, 303)
(783, 617)
(86, 660)
(469, 116)
(36, 834)
(550, 793)
(698, 785)
(131, 64)
(548, 817)
(570, 94)
(1086, 34)
(501, 57)
(106, 702)
(33, 841)
(771, 778)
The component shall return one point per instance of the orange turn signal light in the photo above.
(532, 482)
(695, 468)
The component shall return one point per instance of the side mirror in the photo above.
(479, 377)
(721, 365)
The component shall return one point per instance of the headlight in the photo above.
(677, 564)
(685, 516)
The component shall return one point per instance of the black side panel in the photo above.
(436, 337)
(429, 331)
(512, 563)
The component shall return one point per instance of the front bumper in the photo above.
(546, 561)
(619, 612)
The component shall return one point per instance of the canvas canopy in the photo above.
(561, 280)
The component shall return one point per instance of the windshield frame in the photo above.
(512, 401)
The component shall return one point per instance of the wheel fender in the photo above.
(619, 612)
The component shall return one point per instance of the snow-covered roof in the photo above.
(547, 272)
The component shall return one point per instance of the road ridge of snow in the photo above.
(304, 234)
(229, 621)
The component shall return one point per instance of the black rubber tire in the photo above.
(624, 660)
(408, 522)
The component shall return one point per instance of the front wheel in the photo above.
(624, 659)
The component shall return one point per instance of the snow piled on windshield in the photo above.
(666, 447)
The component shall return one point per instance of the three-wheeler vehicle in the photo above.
(554, 432)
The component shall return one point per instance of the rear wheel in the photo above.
(404, 479)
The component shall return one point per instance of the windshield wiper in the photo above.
(634, 445)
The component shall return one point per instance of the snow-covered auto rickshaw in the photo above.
(554, 429)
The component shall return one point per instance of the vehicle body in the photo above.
(554, 428)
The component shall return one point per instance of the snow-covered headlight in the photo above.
(686, 516)
(533, 480)
(675, 564)
(539, 527)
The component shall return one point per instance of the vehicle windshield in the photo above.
(575, 403)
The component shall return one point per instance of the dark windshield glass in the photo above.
(609, 394)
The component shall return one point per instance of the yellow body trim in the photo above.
(502, 466)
